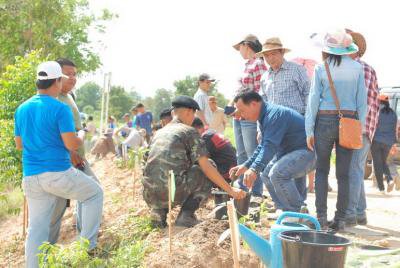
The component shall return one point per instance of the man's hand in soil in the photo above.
(76, 160)
(249, 177)
(237, 171)
(237, 193)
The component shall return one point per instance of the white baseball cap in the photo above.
(49, 70)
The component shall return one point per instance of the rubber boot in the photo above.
(186, 217)
(158, 218)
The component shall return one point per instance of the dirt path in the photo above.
(196, 247)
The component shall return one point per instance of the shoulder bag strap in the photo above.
(332, 88)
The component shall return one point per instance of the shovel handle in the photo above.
(291, 214)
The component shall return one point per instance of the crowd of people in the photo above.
(286, 125)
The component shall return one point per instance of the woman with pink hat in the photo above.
(322, 119)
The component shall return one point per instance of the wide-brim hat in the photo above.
(251, 38)
(270, 44)
(336, 43)
(359, 40)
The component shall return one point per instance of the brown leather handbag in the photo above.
(350, 130)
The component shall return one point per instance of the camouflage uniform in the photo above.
(175, 147)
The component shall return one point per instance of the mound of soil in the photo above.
(197, 247)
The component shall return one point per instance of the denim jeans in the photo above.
(326, 136)
(246, 143)
(42, 192)
(357, 201)
(285, 179)
(61, 206)
(380, 152)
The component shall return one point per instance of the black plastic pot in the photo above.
(309, 249)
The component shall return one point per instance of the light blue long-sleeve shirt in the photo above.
(349, 82)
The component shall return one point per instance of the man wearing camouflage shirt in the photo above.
(178, 147)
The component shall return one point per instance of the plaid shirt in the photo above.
(253, 71)
(289, 86)
(371, 84)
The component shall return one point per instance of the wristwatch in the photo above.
(254, 170)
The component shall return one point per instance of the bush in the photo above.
(17, 84)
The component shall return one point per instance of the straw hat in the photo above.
(359, 40)
(270, 44)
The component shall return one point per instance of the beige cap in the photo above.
(248, 38)
(272, 43)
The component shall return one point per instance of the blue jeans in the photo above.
(327, 135)
(42, 193)
(246, 143)
(357, 201)
(285, 179)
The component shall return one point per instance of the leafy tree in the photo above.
(135, 96)
(161, 100)
(88, 109)
(89, 94)
(60, 28)
(189, 86)
(120, 102)
(17, 84)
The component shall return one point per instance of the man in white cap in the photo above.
(45, 132)
(355, 213)
(201, 97)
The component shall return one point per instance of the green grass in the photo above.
(229, 134)
(122, 245)
(10, 202)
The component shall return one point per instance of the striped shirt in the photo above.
(371, 84)
(289, 86)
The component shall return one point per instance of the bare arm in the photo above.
(18, 142)
(71, 141)
(212, 173)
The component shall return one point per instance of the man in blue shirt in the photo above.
(45, 132)
(282, 156)
(144, 120)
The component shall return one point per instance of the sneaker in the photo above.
(336, 226)
(390, 186)
(351, 221)
(382, 192)
(362, 220)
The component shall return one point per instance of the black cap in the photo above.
(185, 102)
(206, 77)
(165, 113)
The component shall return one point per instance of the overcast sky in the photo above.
(153, 43)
